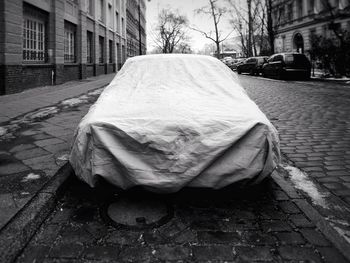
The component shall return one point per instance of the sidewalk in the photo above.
(36, 128)
(33, 147)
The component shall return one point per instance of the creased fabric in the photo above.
(170, 121)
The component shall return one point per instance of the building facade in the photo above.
(48, 42)
(296, 21)
(135, 29)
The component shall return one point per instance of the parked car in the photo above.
(287, 65)
(228, 61)
(252, 65)
(236, 62)
(171, 121)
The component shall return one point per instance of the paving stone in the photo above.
(259, 238)
(31, 153)
(171, 253)
(299, 254)
(290, 238)
(217, 237)
(213, 252)
(250, 254)
(314, 237)
(135, 254)
(73, 235)
(289, 207)
(280, 196)
(105, 253)
(333, 186)
(300, 220)
(55, 148)
(12, 168)
(21, 147)
(275, 226)
(331, 255)
(46, 142)
(66, 251)
(123, 237)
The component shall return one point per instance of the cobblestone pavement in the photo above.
(256, 224)
(313, 120)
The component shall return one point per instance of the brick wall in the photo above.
(110, 68)
(89, 71)
(71, 72)
(100, 69)
(34, 76)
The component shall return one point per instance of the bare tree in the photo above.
(170, 31)
(216, 13)
(249, 22)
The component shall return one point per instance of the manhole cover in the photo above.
(138, 212)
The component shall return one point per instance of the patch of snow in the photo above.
(41, 113)
(3, 131)
(74, 101)
(64, 157)
(30, 177)
(338, 222)
(344, 233)
(303, 183)
(96, 92)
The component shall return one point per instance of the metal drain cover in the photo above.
(138, 212)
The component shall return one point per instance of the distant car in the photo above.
(171, 121)
(252, 65)
(287, 65)
(236, 62)
(228, 61)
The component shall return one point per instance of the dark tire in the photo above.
(252, 72)
(264, 74)
(239, 71)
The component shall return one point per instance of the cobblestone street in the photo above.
(314, 125)
(263, 224)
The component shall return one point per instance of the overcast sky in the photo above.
(185, 7)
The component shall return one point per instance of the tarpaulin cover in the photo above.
(170, 121)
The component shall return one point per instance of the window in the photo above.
(89, 7)
(110, 43)
(311, 7)
(117, 22)
(300, 8)
(281, 14)
(34, 48)
(278, 58)
(89, 49)
(290, 12)
(101, 11)
(110, 16)
(69, 42)
(101, 42)
(123, 26)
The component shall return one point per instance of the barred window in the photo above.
(34, 48)
(89, 47)
(101, 42)
(110, 51)
(69, 43)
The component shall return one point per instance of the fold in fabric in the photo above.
(170, 121)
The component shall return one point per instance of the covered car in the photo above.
(171, 121)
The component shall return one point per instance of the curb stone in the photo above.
(18, 232)
(334, 233)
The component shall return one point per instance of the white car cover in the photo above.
(170, 121)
